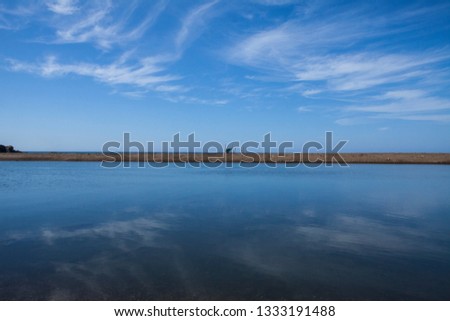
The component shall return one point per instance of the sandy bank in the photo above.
(351, 158)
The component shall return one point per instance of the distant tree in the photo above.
(8, 149)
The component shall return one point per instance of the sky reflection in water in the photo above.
(77, 231)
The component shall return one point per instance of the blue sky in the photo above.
(75, 74)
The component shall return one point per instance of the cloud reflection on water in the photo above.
(248, 235)
(144, 229)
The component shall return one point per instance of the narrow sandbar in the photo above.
(350, 158)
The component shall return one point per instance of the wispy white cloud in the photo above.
(13, 18)
(331, 53)
(311, 92)
(112, 28)
(300, 53)
(350, 121)
(191, 22)
(362, 71)
(303, 109)
(276, 2)
(63, 7)
(415, 104)
(436, 118)
(95, 24)
(291, 42)
(165, 89)
(196, 100)
(404, 102)
(403, 94)
(19, 11)
(303, 55)
(146, 73)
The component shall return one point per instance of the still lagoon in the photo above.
(77, 231)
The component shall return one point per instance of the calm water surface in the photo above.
(72, 231)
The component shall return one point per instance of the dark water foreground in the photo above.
(72, 231)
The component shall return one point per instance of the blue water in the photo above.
(74, 231)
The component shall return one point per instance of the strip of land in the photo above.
(350, 158)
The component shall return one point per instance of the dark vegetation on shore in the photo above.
(8, 149)
(351, 158)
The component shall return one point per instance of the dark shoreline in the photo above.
(350, 158)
